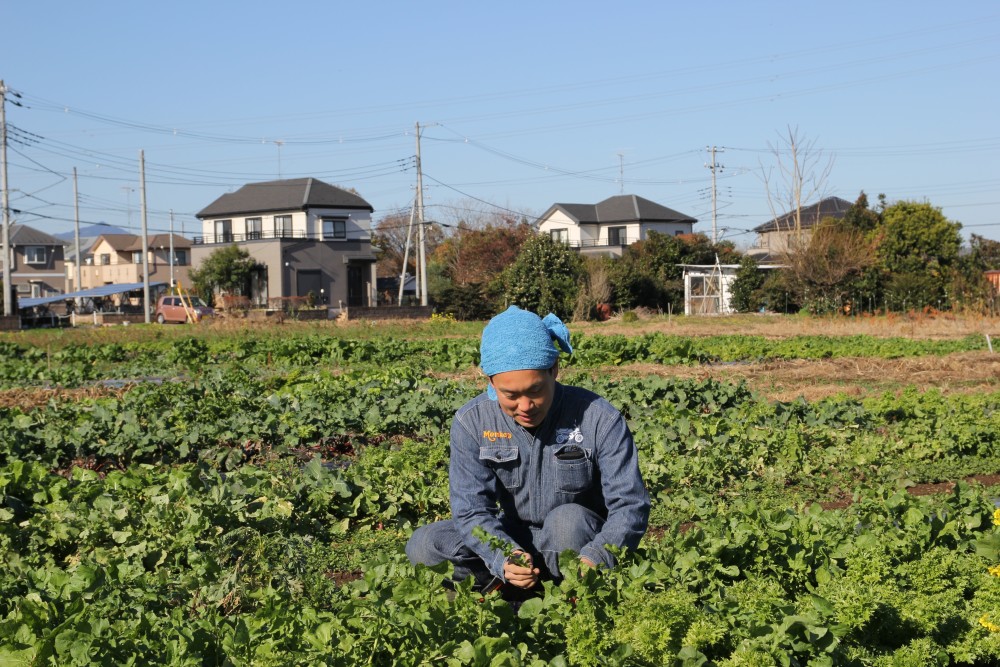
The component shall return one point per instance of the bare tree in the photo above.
(476, 214)
(798, 176)
(389, 236)
(821, 272)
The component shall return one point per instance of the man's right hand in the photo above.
(522, 577)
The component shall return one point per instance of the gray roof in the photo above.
(831, 207)
(295, 194)
(622, 208)
(85, 244)
(25, 235)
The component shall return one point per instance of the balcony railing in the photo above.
(622, 242)
(255, 236)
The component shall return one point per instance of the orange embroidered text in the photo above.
(493, 436)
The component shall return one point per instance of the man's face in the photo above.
(526, 395)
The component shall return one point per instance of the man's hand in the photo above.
(522, 577)
(587, 562)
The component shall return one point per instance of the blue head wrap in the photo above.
(517, 340)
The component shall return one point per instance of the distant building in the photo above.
(38, 262)
(608, 227)
(116, 259)
(308, 237)
(776, 236)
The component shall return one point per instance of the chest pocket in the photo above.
(505, 462)
(574, 468)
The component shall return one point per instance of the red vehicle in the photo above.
(181, 309)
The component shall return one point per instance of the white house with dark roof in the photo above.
(37, 267)
(608, 227)
(774, 237)
(307, 236)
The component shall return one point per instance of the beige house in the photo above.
(115, 259)
(608, 227)
(307, 236)
(776, 237)
(37, 268)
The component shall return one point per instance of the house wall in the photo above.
(359, 223)
(559, 220)
(285, 259)
(123, 270)
(304, 224)
(778, 242)
(667, 228)
(49, 278)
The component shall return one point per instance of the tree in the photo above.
(464, 252)
(986, 252)
(465, 265)
(544, 278)
(802, 172)
(861, 217)
(649, 273)
(389, 240)
(745, 291)
(918, 248)
(226, 270)
(821, 275)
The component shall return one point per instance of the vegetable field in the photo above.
(242, 497)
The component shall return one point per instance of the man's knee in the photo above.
(428, 544)
(570, 527)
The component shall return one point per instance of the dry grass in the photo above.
(814, 379)
(913, 325)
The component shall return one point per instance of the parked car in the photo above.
(173, 309)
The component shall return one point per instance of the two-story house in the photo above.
(608, 227)
(115, 259)
(307, 237)
(37, 262)
(776, 237)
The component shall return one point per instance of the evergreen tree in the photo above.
(745, 291)
(544, 278)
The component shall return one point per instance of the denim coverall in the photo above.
(573, 484)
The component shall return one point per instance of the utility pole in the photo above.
(76, 236)
(621, 172)
(171, 248)
(145, 242)
(406, 254)
(8, 307)
(421, 233)
(714, 166)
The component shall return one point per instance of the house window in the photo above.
(334, 228)
(36, 290)
(34, 254)
(559, 235)
(223, 231)
(137, 257)
(180, 258)
(105, 259)
(255, 228)
(617, 236)
(282, 226)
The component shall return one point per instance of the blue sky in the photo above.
(523, 104)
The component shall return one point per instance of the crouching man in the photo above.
(543, 466)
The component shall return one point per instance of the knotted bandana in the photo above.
(517, 340)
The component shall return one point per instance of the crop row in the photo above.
(706, 435)
(68, 366)
(184, 565)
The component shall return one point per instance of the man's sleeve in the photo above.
(473, 491)
(625, 495)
